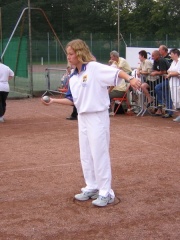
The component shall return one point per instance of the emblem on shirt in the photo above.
(84, 80)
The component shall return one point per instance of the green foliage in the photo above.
(143, 19)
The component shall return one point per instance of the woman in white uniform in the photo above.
(88, 92)
(174, 82)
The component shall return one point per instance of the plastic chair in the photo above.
(125, 99)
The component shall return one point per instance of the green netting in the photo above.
(16, 56)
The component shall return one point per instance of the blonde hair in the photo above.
(82, 50)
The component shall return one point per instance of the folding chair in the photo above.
(125, 99)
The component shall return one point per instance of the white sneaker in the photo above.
(103, 201)
(111, 114)
(1, 119)
(177, 119)
(86, 195)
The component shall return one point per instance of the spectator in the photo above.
(163, 50)
(73, 115)
(5, 75)
(174, 82)
(116, 92)
(120, 62)
(144, 71)
(65, 78)
(65, 83)
(90, 95)
(160, 67)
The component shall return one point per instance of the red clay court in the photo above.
(41, 172)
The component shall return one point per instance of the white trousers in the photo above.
(94, 139)
(175, 95)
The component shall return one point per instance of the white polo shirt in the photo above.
(5, 73)
(89, 87)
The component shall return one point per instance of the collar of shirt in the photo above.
(83, 68)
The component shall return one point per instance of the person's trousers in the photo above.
(116, 94)
(74, 112)
(163, 95)
(94, 151)
(3, 97)
(175, 94)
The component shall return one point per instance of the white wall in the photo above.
(132, 55)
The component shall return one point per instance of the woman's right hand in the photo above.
(47, 103)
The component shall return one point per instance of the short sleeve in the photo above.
(106, 75)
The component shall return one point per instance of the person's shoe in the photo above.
(167, 115)
(86, 195)
(159, 106)
(103, 201)
(71, 118)
(149, 104)
(177, 119)
(111, 114)
(1, 119)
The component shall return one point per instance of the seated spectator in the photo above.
(174, 79)
(143, 71)
(160, 67)
(120, 62)
(116, 92)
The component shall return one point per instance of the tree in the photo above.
(144, 19)
(165, 18)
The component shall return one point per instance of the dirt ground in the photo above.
(40, 172)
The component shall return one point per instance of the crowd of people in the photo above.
(160, 78)
(160, 82)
